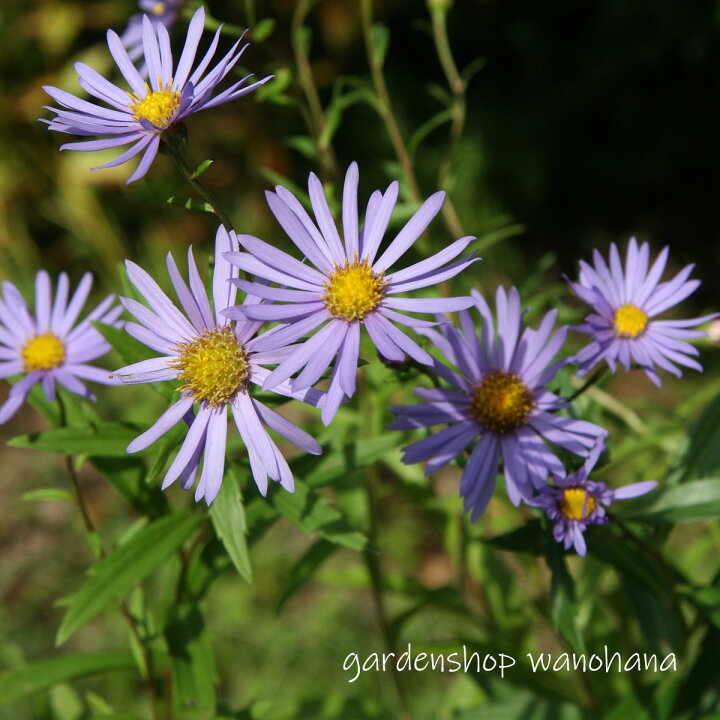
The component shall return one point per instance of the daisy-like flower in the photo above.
(158, 11)
(348, 287)
(48, 347)
(216, 362)
(576, 502)
(500, 400)
(625, 301)
(142, 115)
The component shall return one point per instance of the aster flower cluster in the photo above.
(301, 317)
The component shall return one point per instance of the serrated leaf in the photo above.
(115, 575)
(41, 675)
(228, 519)
(688, 502)
(191, 204)
(99, 440)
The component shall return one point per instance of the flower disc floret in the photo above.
(501, 402)
(353, 291)
(630, 321)
(43, 352)
(576, 503)
(158, 106)
(213, 367)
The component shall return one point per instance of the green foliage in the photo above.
(114, 576)
(246, 610)
(44, 674)
(228, 519)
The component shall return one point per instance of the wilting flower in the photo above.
(625, 300)
(576, 502)
(141, 116)
(216, 362)
(158, 11)
(48, 347)
(500, 396)
(348, 287)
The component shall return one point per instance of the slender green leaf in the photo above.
(114, 576)
(380, 41)
(530, 538)
(228, 519)
(312, 512)
(304, 569)
(193, 665)
(201, 168)
(317, 470)
(42, 675)
(563, 599)
(684, 503)
(99, 440)
(703, 452)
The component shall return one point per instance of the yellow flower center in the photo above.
(501, 402)
(213, 367)
(576, 503)
(158, 106)
(351, 292)
(43, 352)
(158, 8)
(630, 321)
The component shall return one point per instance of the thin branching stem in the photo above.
(438, 14)
(187, 175)
(317, 122)
(372, 558)
(385, 107)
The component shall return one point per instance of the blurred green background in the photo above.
(586, 122)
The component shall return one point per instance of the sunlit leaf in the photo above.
(115, 575)
(42, 675)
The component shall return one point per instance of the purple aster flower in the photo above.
(141, 116)
(348, 286)
(158, 11)
(216, 362)
(577, 502)
(625, 300)
(501, 400)
(49, 347)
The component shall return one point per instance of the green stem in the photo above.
(438, 13)
(92, 530)
(372, 559)
(599, 373)
(316, 120)
(178, 156)
(385, 105)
